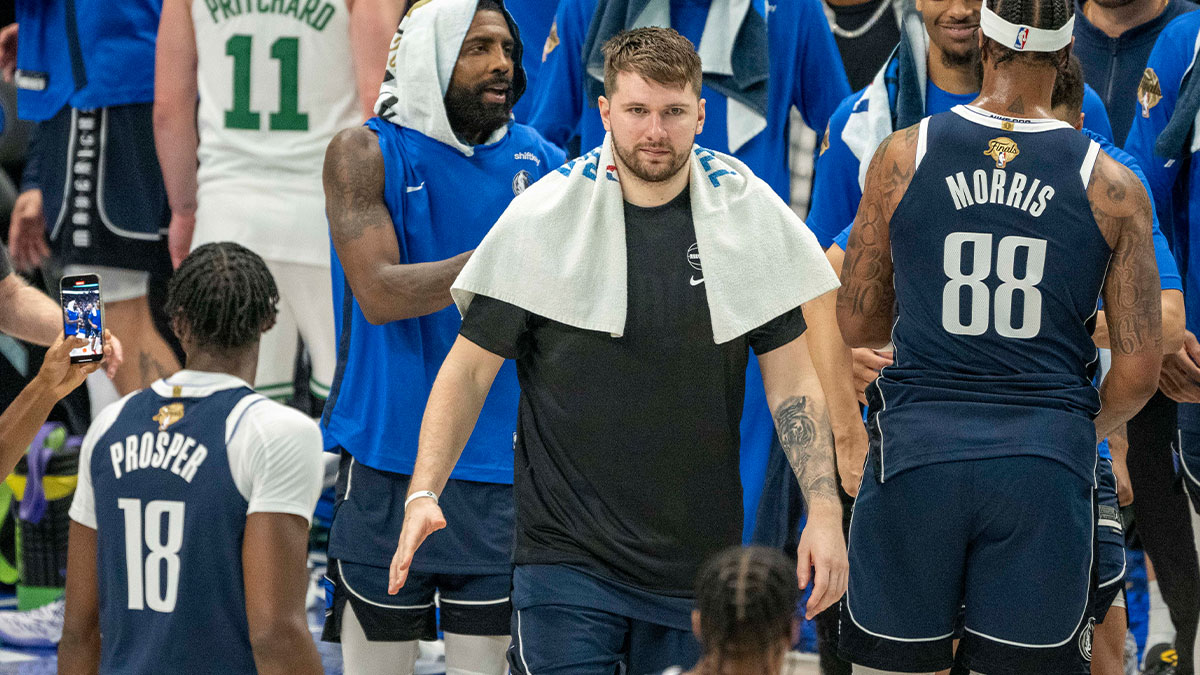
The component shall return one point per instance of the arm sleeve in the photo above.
(821, 82)
(280, 460)
(1095, 116)
(558, 93)
(836, 192)
(496, 326)
(1167, 62)
(778, 331)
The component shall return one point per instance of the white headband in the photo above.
(1024, 38)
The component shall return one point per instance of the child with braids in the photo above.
(745, 613)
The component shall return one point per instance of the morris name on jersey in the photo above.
(1031, 198)
(312, 12)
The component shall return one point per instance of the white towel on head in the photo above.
(419, 66)
(558, 251)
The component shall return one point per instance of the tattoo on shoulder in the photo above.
(1132, 297)
(353, 177)
(807, 440)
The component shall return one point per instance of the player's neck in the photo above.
(646, 194)
(240, 363)
(953, 78)
(1017, 90)
(1115, 21)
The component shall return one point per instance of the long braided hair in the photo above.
(746, 598)
(1048, 14)
(222, 296)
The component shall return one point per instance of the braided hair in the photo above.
(222, 296)
(746, 598)
(1048, 14)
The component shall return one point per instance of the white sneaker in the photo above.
(40, 627)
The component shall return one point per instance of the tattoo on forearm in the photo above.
(807, 440)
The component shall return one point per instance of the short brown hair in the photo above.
(658, 54)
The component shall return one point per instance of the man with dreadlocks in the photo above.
(194, 500)
(745, 613)
(985, 235)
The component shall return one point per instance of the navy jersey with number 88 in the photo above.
(998, 266)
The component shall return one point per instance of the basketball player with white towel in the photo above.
(275, 85)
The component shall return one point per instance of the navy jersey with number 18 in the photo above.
(998, 266)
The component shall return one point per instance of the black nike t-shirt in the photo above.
(627, 448)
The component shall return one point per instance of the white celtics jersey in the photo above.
(276, 82)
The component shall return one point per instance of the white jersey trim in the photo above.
(922, 140)
(1020, 124)
(1089, 163)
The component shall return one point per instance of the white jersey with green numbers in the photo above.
(276, 82)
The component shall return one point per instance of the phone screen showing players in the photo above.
(82, 318)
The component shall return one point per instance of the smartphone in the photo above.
(83, 315)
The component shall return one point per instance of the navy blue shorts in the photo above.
(1007, 544)
(1110, 537)
(102, 188)
(569, 621)
(464, 569)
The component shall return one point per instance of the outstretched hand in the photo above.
(422, 517)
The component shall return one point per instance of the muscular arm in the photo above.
(79, 648)
(365, 239)
(274, 551)
(28, 314)
(866, 298)
(1131, 293)
(372, 24)
(1172, 322)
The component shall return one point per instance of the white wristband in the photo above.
(420, 495)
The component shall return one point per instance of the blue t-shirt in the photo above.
(836, 191)
(98, 56)
(534, 18)
(805, 72)
(442, 204)
(1168, 271)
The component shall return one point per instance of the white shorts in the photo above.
(305, 313)
(116, 284)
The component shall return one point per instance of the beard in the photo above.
(952, 59)
(470, 116)
(650, 173)
(1112, 4)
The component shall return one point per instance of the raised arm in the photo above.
(1131, 293)
(175, 136)
(372, 24)
(455, 400)
(798, 406)
(365, 238)
(866, 298)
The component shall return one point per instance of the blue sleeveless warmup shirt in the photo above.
(170, 522)
(998, 267)
(442, 204)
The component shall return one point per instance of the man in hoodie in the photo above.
(409, 196)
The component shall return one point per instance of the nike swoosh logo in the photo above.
(414, 189)
(696, 282)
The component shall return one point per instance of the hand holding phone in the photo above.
(83, 316)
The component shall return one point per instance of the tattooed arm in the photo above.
(1131, 293)
(365, 239)
(802, 422)
(866, 298)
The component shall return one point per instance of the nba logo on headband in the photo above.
(1022, 37)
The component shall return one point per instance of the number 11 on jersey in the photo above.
(286, 50)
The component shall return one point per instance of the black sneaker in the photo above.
(1161, 659)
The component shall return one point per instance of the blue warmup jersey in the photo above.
(534, 18)
(805, 72)
(88, 53)
(442, 204)
(72, 324)
(836, 191)
(169, 532)
(998, 268)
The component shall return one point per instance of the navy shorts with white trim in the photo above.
(1007, 542)
(1110, 537)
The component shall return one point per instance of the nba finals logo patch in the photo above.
(1003, 150)
(521, 181)
(1022, 38)
(551, 42)
(168, 414)
(1149, 92)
